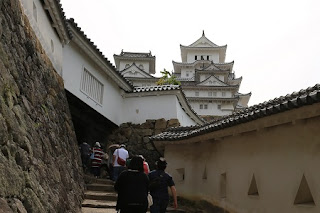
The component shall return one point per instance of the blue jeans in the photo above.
(159, 206)
(116, 171)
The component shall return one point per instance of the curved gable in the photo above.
(135, 72)
(212, 81)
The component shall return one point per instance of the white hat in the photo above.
(97, 144)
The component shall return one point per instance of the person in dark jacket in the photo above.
(132, 186)
(85, 151)
(159, 183)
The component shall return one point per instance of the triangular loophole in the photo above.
(204, 175)
(304, 195)
(253, 189)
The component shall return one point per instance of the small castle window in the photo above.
(52, 46)
(205, 106)
(219, 106)
(223, 94)
(127, 65)
(141, 66)
(201, 106)
(202, 57)
(207, 57)
(181, 174)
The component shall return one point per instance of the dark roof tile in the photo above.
(283, 103)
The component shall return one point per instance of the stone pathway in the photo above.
(100, 197)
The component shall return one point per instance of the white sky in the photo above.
(275, 44)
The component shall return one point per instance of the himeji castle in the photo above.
(208, 82)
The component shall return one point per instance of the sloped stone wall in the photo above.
(39, 161)
(136, 137)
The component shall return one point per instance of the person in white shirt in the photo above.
(119, 161)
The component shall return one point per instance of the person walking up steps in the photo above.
(132, 186)
(97, 159)
(85, 151)
(159, 183)
(119, 161)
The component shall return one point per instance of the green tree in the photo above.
(168, 79)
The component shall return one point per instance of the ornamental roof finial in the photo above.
(203, 33)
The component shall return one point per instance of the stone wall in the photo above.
(136, 137)
(39, 161)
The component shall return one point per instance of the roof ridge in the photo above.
(283, 103)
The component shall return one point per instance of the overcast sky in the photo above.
(275, 44)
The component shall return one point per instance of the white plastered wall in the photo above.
(139, 109)
(213, 56)
(277, 156)
(74, 64)
(45, 32)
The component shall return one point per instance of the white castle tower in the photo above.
(208, 81)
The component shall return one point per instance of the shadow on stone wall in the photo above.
(39, 158)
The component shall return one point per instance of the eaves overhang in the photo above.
(91, 50)
(58, 18)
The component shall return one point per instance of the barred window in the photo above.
(91, 86)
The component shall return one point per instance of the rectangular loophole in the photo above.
(223, 185)
(181, 173)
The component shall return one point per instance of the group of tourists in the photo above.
(135, 188)
(92, 158)
(138, 188)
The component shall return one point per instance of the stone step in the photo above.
(98, 195)
(97, 210)
(172, 210)
(90, 179)
(99, 204)
(100, 187)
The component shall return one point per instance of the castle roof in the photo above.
(142, 72)
(137, 56)
(210, 65)
(304, 97)
(203, 43)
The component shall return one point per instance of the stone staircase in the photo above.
(100, 197)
